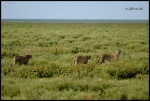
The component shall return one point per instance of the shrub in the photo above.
(7, 53)
(7, 70)
(47, 43)
(32, 71)
(77, 50)
(123, 70)
(86, 38)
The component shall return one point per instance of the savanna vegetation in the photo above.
(51, 74)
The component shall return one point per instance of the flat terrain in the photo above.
(51, 74)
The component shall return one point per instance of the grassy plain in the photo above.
(51, 74)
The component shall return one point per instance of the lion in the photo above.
(109, 57)
(81, 59)
(22, 59)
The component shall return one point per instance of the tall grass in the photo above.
(51, 74)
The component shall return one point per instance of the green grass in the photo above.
(51, 75)
(70, 88)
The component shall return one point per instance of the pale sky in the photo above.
(75, 10)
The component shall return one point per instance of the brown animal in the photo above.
(22, 59)
(81, 59)
(109, 57)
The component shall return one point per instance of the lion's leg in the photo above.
(102, 59)
(75, 62)
(14, 61)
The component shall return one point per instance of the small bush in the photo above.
(47, 43)
(77, 50)
(123, 70)
(32, 71)
(7, 70)
(86, 38)
(7, 53)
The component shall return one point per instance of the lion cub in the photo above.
(22, 59)
(109, 57)
(81, 59)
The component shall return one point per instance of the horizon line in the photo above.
(69, 19)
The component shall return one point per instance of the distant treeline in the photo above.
(75, 20)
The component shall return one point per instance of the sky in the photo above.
(130, 10)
